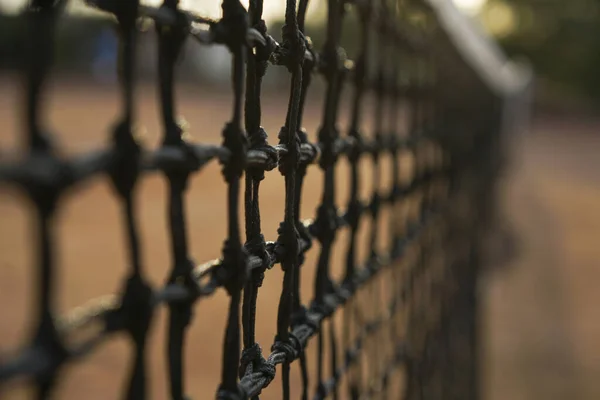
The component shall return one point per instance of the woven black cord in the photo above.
(374, 351)
(394, 284)
(136, 308)
(326, 224)
(294, 46)
(42, 18)
(170, 42)
(252, 359)
(378, 118)
(235, 22)
(298, 311)
(355, 208)
(410, 304)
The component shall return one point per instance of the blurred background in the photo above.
(541, 328)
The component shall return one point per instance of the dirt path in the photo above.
(540, 320)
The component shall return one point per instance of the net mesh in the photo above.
(407, 311)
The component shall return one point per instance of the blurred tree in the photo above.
(561, 39)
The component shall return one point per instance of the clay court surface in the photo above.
(540, 321)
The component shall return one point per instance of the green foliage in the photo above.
(561, 39)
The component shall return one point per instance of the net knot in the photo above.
(375, 205)
(293, 46)
(258, 141)
(360, 71)
(124, 170)
(257, 247)
(173, 135)
(302, 136)
(236, 142)
(289, 348)
(263, 53)
(299, 316)
(287, 243)
(172, 36)
(252, 361)
(289, 159)
(311, 154)
(231, 30)
(304, 234)
(252, 354)
(310, 151)
(311, 323)
(305, 239)
(314, 60)
(234, 269)
(353, 213)
(227, 394)
(398, 247)
(320, 308)
(395, 192)
(46, 186)
(326, 305)
(331, 61)
(394, 144)
(351, 354)
(326, 225)
(41, 140)
(258, 138)
(178, 174)
(136, 308)
(261, 27)
(181, 275)
(357, 147)
(327, 136)
(55, 354)
(125, 11)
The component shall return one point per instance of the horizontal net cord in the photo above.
(420, 311)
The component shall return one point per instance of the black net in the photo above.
(407, 311)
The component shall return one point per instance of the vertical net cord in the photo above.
(374, 289)
(288, 238)
(332, 288)
(411, 367)
(391, 296)
(170, 42)
(298, 311)
(234, 256)
(351, 325)
(254, 239)
(326, 223)
(41, 22)
(423, 336)
(256, 65)
(392, 285)
(137, 297)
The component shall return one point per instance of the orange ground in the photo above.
(541, 320)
